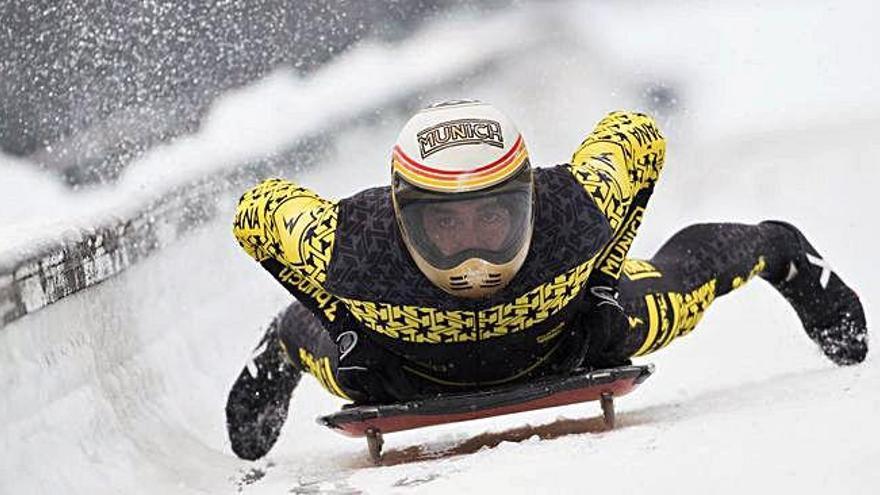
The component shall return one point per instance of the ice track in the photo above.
(121, 388)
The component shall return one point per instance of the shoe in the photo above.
(258, 402)
(829, 310)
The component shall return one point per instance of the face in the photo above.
(454, 227)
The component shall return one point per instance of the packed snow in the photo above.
(769, 113)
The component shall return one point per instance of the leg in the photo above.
(666, 296)
(830, 311)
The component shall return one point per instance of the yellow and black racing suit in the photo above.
(346, 264)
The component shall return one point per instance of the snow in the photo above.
(255, 122)
(120, 389)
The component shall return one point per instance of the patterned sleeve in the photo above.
(279, 220)
(621, 157)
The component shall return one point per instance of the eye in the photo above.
(492, 215)
(446, 222)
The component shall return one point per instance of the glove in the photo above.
(603, 321)
(368, 372)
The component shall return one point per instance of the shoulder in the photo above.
(376, 199)
(627, 122)
(569, 226)
(275, 198)
(633, 132)
(370, 261)
(292, 224)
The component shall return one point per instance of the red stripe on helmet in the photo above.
(411, 164)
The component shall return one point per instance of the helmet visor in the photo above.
(447, 229)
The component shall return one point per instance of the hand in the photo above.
(604, 321)
(374, 374)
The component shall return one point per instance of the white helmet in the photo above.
(463, 195)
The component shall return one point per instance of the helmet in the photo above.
(463, 196)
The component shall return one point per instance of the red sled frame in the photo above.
(372, 421)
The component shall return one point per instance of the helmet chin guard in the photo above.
(473, 278)
(463, 195)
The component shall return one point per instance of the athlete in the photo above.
(474, 269)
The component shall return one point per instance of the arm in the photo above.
(618, 164)
(290, 230)
(278, 220)
(620, 158)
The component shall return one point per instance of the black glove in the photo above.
(369, 373)
(603, 323)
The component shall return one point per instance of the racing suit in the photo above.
(371, 328)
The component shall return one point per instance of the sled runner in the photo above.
(372, 421)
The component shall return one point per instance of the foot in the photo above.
(259, 399)
(830, 311)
